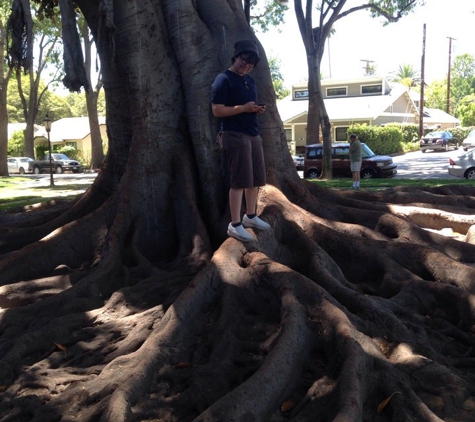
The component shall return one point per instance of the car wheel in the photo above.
(423, 151)
(59, 170)
(36, 170)
(465, 149)
(367, 174)
(470, 173)
(21, 170)
(312, 174)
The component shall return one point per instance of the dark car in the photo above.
(372, 165)
(438, 141)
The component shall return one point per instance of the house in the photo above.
(369, 100)
(16, 127)
(71, 131)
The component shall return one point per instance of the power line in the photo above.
(367, 68)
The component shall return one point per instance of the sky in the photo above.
(358, 38)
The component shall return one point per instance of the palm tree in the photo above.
(406, 75)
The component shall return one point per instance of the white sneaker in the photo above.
(239, 233)
(255, 223)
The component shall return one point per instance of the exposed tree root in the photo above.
(317, 319)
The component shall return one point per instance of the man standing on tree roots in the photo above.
(234, 100)
(355, 158)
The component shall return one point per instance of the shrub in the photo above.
(383, 140)
(16, 144)
(460, 133)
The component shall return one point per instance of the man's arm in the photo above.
(220, 110)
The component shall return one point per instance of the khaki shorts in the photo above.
(245, 158)
(355, 166)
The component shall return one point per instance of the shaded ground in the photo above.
(346, 309)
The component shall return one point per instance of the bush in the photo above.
(40, 151)
(460, 133)
(70, 151)
(383, 140)
(16, 144)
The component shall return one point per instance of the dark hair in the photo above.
(246, 47)
(352, 136)
(254, 57)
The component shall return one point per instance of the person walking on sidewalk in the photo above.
(234, 101)
(355, 159)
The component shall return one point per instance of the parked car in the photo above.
(298, 161)
(18, 164)
(469, 141)
(372, 165)
(438, 141)
(59, 162)
(463, 165)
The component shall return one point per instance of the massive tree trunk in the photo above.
(130, 304)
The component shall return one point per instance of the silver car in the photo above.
(469, 141)
(463, 165)
(298, 161)
(18, 164)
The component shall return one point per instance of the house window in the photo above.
(300, 95)
(336, 92)
(371, 89)
(288, 134)
(341, 134)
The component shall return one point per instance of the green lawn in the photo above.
(390, 183)
(23, 191)
(16, 192)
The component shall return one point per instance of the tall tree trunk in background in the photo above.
(130, 303)
(30, 110)
(5, 73)
(317, 117)
(92, 95)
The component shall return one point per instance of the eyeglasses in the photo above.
(248, 62)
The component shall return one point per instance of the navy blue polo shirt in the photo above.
(231, 89)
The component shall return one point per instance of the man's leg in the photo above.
(235, 202)
(251, 200)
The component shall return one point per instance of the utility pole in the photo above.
(447, 107)
(421, 101)
(367, 68)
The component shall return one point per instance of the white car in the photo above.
(18, 164)
(469, 141)
(298, 161)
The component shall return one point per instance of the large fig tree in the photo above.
(131, 304)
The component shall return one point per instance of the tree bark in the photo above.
(130, 304)
(92, 94)
(5, 73)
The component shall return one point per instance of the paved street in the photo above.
(418, 165)
(428, 165)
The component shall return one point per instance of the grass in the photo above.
(21, 191)
(390, 183)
